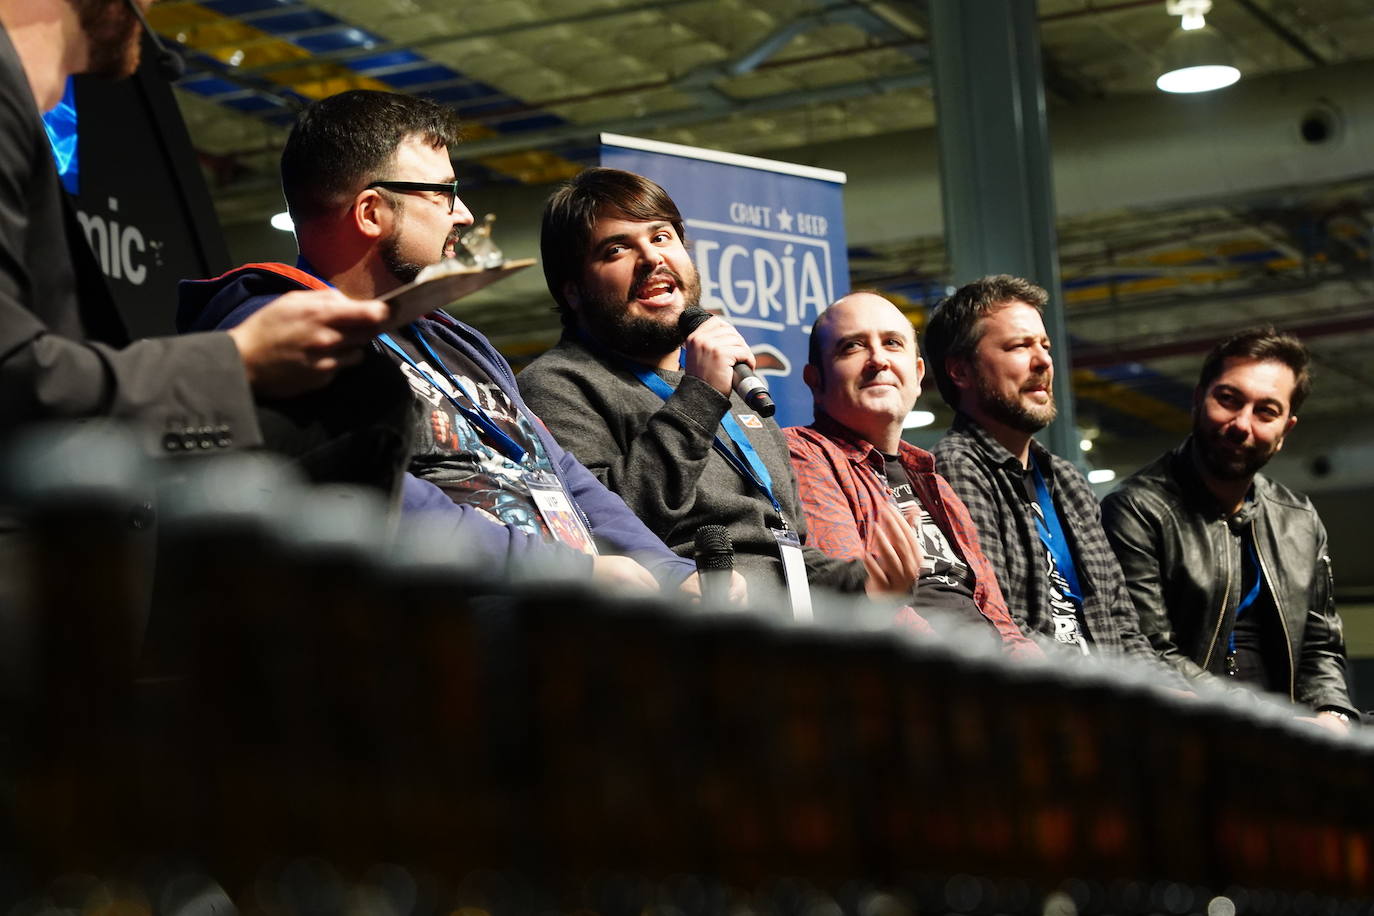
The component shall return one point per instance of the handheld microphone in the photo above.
(715, 556)
(747, 385)
(171, 66)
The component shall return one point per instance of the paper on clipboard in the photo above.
(441, 284)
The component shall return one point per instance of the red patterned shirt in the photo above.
(841, 481)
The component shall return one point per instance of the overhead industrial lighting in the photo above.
(917, 419)
(1196, 57)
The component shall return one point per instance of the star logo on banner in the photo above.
(784, 220)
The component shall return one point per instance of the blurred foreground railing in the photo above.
(311, 690)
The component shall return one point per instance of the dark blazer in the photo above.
(61, 352)
(1182, 558)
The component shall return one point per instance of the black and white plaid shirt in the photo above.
(991, 482)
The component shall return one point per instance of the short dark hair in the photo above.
(570, 215)
(955, 327)
(1266, 345)
(340, 144)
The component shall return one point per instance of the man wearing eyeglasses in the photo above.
(64, 353)
(371, 190)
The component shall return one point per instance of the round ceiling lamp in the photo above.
(1196, 58)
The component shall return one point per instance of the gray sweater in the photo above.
(657, 455)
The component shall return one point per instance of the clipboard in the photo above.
(440, 284)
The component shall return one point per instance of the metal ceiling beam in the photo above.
(548, 104)
(1063, 85)
(912, 19)
(1290, 38)
(570, 133)
(700, 81)
(275, 93)
(1265, 290)
(996, 182)
(345, 55)
(1102, 357)
(1098, 9)
(771, 44)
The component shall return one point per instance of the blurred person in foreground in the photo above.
(1228, 569)
(64, 353)
(864, 372)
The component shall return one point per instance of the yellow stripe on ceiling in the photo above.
(1178, 257)
(1089, 386)
(1241, 246)
(1204, 275)
(232, 42)
(532, 167)
(237, 44)
(1143, 285)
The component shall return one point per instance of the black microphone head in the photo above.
(689, 321)
(714, 549)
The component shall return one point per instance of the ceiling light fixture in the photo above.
(283, 222)
(1196, 57)
(917, 419)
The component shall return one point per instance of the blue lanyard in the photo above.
(474, 414)
(1052, 534)
(751, 467)
(1250, 596)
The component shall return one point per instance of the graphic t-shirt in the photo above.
(1066, 611)
(469, 465)
(946, 581)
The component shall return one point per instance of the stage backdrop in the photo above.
(139, 193)
(768, 242)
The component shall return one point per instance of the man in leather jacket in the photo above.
(1228, 569)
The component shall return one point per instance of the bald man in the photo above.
(852, 467)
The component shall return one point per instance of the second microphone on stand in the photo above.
(747, 385)
(715, 556)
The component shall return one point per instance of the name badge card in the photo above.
(794, 573)
(560, 515)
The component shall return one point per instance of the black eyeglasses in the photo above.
(449, 188)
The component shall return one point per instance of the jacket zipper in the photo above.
(1278, 606)
(1221, 611)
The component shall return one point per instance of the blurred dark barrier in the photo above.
(313, 697)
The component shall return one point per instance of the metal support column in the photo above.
(995, 165)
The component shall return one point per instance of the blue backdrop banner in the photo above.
(767, 239)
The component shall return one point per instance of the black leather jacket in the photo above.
(1182, 559)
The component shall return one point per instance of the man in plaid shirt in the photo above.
(1038, 522)
(852, 468)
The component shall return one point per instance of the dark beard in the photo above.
(641, 336)
(112, 36)
(1014, 413)
(1225, 467)
(399, 267)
